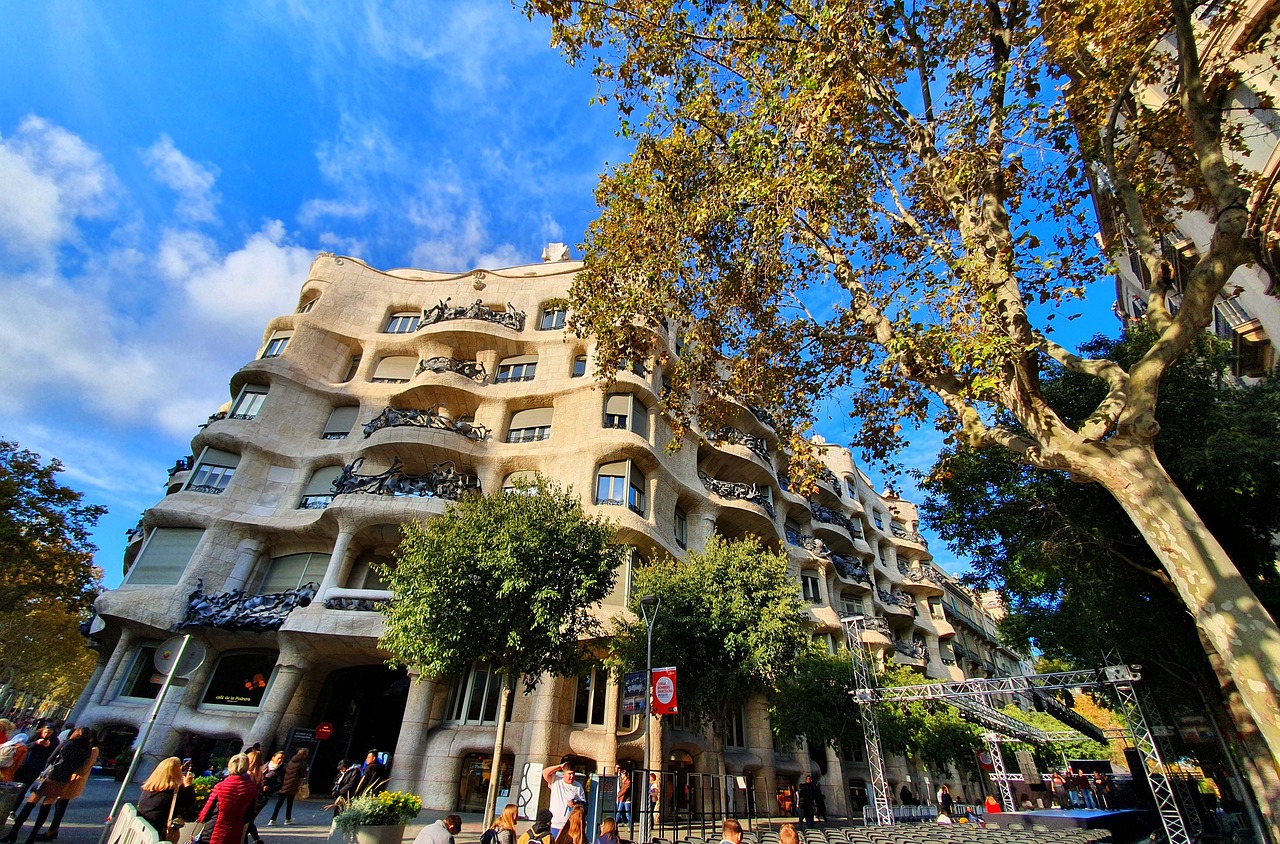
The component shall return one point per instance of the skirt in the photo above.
(52, 789)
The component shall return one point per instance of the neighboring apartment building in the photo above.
(386, 395)
(1247, 312)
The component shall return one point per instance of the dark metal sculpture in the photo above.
(913, 649)
(236, 610)
(822, 513)
(851, 569)
(466, 368)
(443, 312)
(443, 481)
(896, 599)
(359, 604)
(757, 445)
(736, 491)
(763, 415)
(392, 417)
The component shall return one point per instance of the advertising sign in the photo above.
(633, 693)
(664, 692)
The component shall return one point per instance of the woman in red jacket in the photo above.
(232, 802)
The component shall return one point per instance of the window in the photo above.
(635, 493)
(879, 520)
(588, 702)
(626, 412)
(293, 571)
(240, 680)
(249, 402)
(340, 422)
(579, 366)
(621, 591)
(473, 699)
(529, 426)
(137, 680)
(552, 318)
(276, 345)
(352, 368)
(851, 487)
(611, 483)
(213, 472)
(736, 730)
(365, 574)
(319, 491)
(809, 589)
(405, 322)
(396, 369)
(308, 305)
(164, 556)
(517, 369)
(520, 482)
(682, 528)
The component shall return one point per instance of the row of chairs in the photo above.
(995, 832)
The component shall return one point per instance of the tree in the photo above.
(877, 200)
(43, 648)
(1053, 547)
(45, 552)
(509, 579)
(815, 702)
(931, 732)
(731, 620)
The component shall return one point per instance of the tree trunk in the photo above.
(1225, 609)
(504, 704)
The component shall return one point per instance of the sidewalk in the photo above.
(85, 816)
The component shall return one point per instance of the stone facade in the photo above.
(384, 396)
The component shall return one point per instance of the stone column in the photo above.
(340, 563)
(123, 646)
(90, 690)
(608, 761)
(411, 746)
(276, 703)
(247, 554)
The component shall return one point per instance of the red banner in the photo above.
(664, 692)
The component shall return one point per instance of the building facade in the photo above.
(386, 395)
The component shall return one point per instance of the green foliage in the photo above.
(815, 702)
(43, 645)
(45, 553)
(932, 732)
(386, 808)
(1055, 548)
(203, 787)
(731, 620)
(1050, 756)
(508, 578)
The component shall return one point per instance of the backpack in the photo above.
(8, 754)
(490, 837)
(529, 838)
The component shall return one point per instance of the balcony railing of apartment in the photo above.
(444, 312)
(763, 416)
(915, 650)
(757, 445)
(909, 535)
(828, 516)
(443, 481)
(851, 569)
(896, 599)
(182, 465)
(391, 417)
(923, 573)
(877, 624)
(361, 600)
(737, 491)
(808, 542)
(237, 610)
(134, 533)
(466, 368)
(315, 502)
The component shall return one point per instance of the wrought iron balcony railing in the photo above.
(733, 436)
(443, 481)
(896, 599)
(392, 417)
(826, 515)
(236, 610)
(915, 650)
(466, 368)
(444, 312)
(851, 569)
(736, 491)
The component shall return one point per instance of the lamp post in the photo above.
(649, 612)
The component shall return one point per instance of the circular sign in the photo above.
(192, 657)
(664, 690)
(324, 730)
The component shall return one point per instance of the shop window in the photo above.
(588, 702)
(240, 680)
(164, 557)
(473, 785)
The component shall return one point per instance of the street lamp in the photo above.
(649, 612)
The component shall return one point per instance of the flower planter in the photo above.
(389, 834)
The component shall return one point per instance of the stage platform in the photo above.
(1124, 824)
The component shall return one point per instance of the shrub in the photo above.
(202, 786)
(388, 808)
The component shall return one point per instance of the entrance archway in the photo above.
(365, 704)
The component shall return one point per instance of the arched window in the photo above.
(520, 482)
(530, 425)
(240, 680)
(293, 571)
(396, 369)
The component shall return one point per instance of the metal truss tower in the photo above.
(863, 670)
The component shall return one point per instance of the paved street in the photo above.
(84, 821)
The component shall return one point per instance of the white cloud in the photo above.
(452, 232)
(191, 181)
(313, 210)
(249, 286)
(50, 179)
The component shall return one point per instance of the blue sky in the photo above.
(169, 170)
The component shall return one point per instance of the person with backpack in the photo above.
(540, 832)
(12, 754)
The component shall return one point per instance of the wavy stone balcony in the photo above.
(444, 312)
(237, 610)
(358, 600)
(443, 481)
(897, 601)
(736, 491)
(392, 417)
(827, 515)
(912, 650)
(733, 436)
(471, 369)
(909, 536)
(922, 578)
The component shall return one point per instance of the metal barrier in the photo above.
(690, 805)
(131, 829)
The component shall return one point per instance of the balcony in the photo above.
(827, 515)
(735, 491)
(733, 436)
(236, 610)
(466, 368)
(443, 481)
(851, 569)
(912, 650)
(391, 417)
(315, 502)
(444, 312)
(358, 600)
(897, 600)
(908, 536)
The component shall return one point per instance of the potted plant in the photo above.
(375, 818)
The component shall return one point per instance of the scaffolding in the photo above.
(971, 698)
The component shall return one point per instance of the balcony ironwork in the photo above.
(466, 368)
(915, 650)
(876, 624)
(808, 542)
(135, 533)
(207, 489)
(829, 478)
(851, 569)
(763, 415)
(443, 481)
(236, 610)
(910, 536)
(444, 312)
(357, 604)
(315, 502)
(183, 464)
(923, 573)
(213, 417)
(946, 660)
(826, 515)
(733, 436)
(392, 417)
(896, 599)
(736, 491)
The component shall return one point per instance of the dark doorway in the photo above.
(365, 705)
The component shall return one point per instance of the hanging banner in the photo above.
(664, 692)
(985, 761)
(633, 693)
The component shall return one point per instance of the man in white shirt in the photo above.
(565, 792)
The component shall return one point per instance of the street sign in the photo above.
(192, 657)
(324, 730)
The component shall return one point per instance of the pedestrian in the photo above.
(944, 799)
(230, 804)
(507, 824)
(787, 834)
(575, 828)
(58, 780)
(39, 750)
(565, 791)
(374, 777)
(731, 832)
(258, 773)
(624, 797)
(608, 832)
(440, 832)
(295, 774)
(344, 786)
(167, 794)
(1101, 786)
(540, 832)
(808, 802)
(12, 754)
